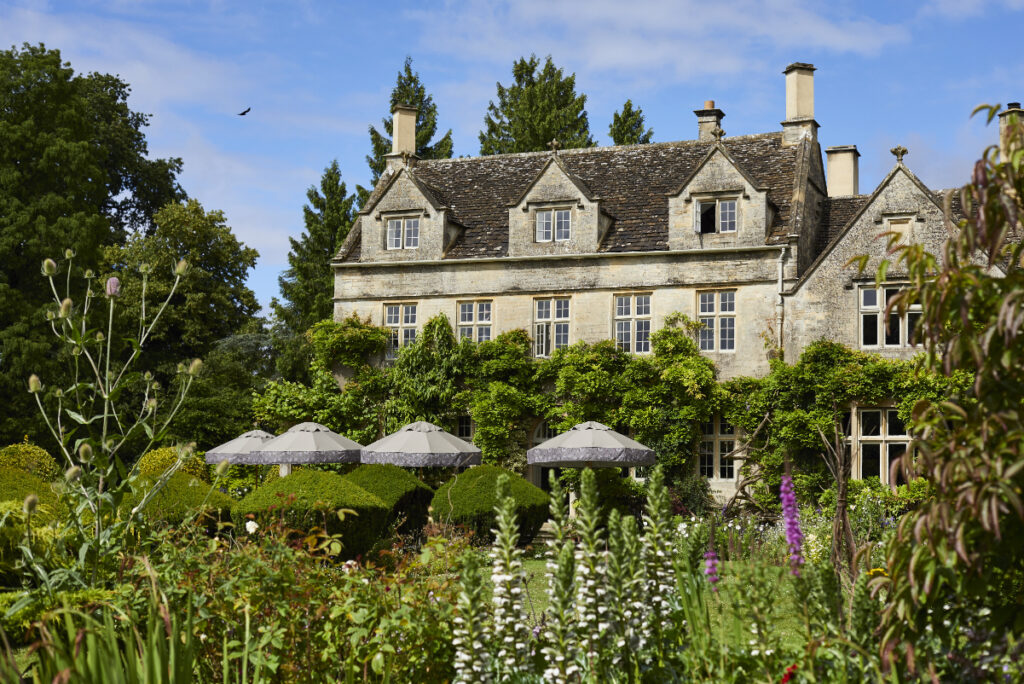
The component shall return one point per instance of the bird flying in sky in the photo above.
(245, 112)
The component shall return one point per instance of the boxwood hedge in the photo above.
(311, 498)
(31, 459)
(179, 498)
(16, 484)
(401, 491)
(469, 499)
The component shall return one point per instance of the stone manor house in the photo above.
(750, 235)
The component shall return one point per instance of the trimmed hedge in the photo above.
(16, 484)
(156, 462)
(472, 501)
(31, 459)
(318, 495)
(18, 627)
(182, 495)
(401, 491)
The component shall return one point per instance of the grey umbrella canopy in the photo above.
(422, 444)
(305, 443)
(590, 445)
(238, 448)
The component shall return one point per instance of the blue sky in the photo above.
(317, 74)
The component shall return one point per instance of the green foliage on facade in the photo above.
(628, 127)
(307, 285)
(309, 499)
(411, 92)
(539, 106)
(402, 492)
(30, 459)
(470, 498)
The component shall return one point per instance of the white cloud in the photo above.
(962, 9)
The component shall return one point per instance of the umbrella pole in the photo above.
(284, 469)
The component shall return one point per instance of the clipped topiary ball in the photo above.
(318, 495)
(16, 484)
(472, 500)
(30, 459)
(180, 497)
(401, 491)
(156, 462)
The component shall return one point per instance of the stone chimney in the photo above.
(799, 123)
(403, 136)
(842, 171)
(1004, 128)
(708, 119)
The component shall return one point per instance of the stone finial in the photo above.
(899, 151)
(717, 133)
(554, 144)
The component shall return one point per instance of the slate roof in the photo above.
(632, 181)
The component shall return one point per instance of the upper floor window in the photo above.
(475, 321)
(633, 323)
(553, 224)
(403, 233)
(550, 325)
(879, 330)
(716, 216)
(717, 315)
(400, 319)
(717, 443)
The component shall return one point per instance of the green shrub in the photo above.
(16, 484)
(17, 627)
(401, 491)
(45, 538)
(180, 497)
(156, 462)
(243, 479)
(311, 498)
(31, 459)
(469, 499)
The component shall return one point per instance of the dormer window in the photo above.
(553, 224)
(403, 233)
(716, 216)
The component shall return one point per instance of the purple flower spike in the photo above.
(113, 286)
(711, 568)
(791, 516)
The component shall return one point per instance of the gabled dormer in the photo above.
(719, 205)
(405, 218)
(556, 214)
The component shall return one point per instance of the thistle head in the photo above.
(69, 253)
(49, 267)
(73, 474)
(193, 368)
(31, 504)
(65, 309)
(222, 467)
(181, 268)
(85, 453)
(113, 288)
(35, 385)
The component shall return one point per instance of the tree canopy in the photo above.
(537, 108)
(628, 128)
(307, 286)
(409, 91)
(74, 174)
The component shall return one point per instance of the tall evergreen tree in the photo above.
(627, 127)
(535, 109)
(409, 91)
(308, 284)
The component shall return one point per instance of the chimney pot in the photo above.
(708, 119)
(1012, 108)
(843, 171)
(403, 130)
(799, 123)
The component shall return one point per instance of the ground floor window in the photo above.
(475, 321)
(550, 325)
(717, 316)
(717, 442)
(400, 320)
(633, 323)
(877, 438)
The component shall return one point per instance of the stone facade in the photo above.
(740, 228)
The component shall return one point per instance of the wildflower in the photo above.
(65, 309)
(113, 286)
(251, 527)
(34, 384)
(788, 676)
(791, 515)
(181, 268)
(49, 267)
(73, 474)
(711, 568)
(30, 505)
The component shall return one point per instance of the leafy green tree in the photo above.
(409, 91)
(211, 304)
(537, 108)
(307, 286)
(73, 175)
(627, 126)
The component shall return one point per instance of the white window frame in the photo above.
(631, 322)
(871, 303)
(402, 232)
(716, 311)
(551, 318)
(465, 428)
(400, 318)
(890, 441)
(718, 440)
(552, 225)
(727, 215)
(475, 319)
